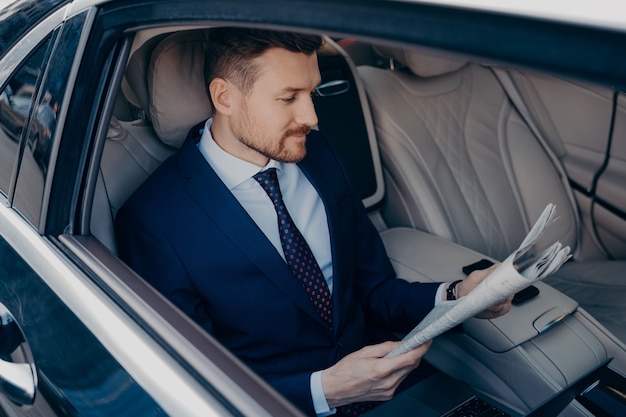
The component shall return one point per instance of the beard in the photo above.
(283, 149)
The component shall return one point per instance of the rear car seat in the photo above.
(169, 106)
(462, 164)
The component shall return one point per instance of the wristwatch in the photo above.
(451, 291)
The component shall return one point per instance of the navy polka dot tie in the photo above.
(297, 252)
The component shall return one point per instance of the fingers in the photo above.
(475, 278)
(497, 310)
(382, 349)
(390, 372)
(472, 280)
(377, 351)
(367, 375)
(386, 367)
(504, 307)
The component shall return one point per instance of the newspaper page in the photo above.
(515, 273)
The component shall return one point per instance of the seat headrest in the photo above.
(178, 96)
(422, 62)
(135, 81)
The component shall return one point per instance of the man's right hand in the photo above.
(366, 375)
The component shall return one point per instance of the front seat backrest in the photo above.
(164, 80)
(169, 87)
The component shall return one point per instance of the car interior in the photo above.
(454, 159)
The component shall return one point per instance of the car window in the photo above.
(17, 18)
(43, 124)
(16, 102)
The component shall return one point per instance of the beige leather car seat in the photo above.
(462, 164)
(164, 81)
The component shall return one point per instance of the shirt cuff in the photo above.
(438, 294)
(319, 399)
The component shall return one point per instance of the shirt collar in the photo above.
(232, 171)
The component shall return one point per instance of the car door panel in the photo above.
(75, 372)
(609, 212)
(575, 118)
(78, 337)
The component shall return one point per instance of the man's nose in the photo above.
(306, 114)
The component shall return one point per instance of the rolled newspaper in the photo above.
(516, 272)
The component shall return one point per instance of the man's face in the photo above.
(273, 119)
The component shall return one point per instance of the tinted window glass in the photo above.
(36, 160)
(16, 102)
(16, 17)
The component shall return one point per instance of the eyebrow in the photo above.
(296, 89)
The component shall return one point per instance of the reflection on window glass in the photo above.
(16, 102)
(36, 160)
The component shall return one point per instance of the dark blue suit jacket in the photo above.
(185, 233)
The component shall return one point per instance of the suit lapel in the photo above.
(209, 192)
(315, 172)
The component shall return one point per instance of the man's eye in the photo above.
(289, 99)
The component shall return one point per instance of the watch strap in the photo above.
(450, 291)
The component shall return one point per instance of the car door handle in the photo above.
(18, 375)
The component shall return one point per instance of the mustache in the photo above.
(298, 131)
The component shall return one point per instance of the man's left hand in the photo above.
(472, 280)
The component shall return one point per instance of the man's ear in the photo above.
(222, 96)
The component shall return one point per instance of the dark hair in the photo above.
(231, 52)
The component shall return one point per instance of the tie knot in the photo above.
(269, 181)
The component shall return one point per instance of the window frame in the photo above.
(11, 63)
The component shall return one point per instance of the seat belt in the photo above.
(507, 83)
